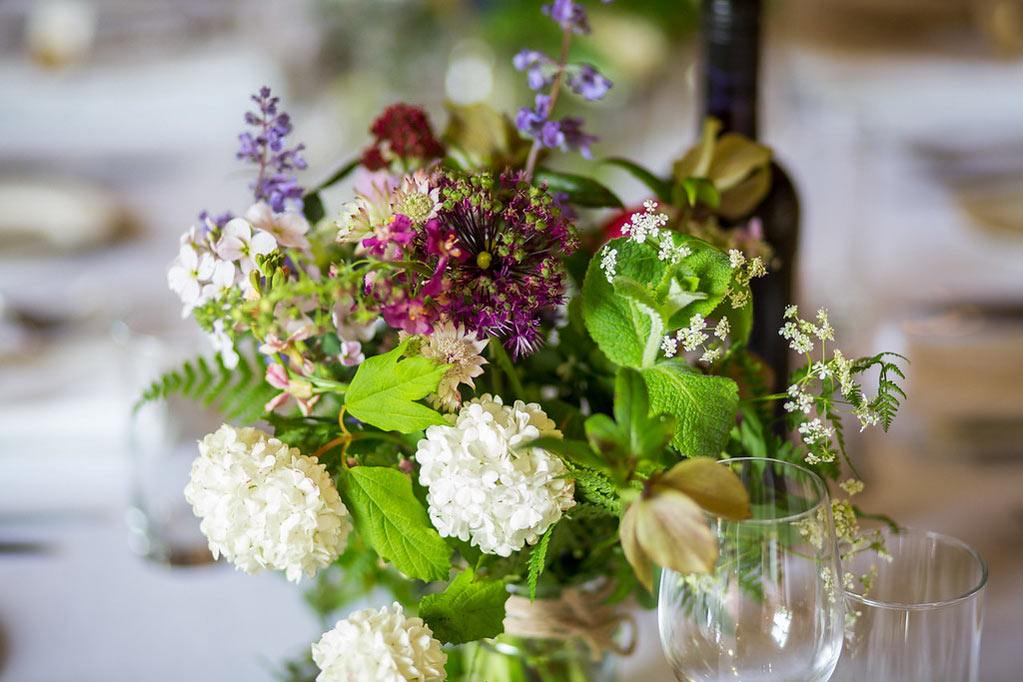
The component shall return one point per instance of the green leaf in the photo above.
(339, 174)
(572, 451)
(661, 188)
(704, 406)
(384, 390)
(538, 561)
(468, 610)
(312, 208)
(604, 435)
(388, 515)
(595, 487)
(618, 316)
(581, 190)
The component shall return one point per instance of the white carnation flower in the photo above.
(483, 486)
(379, 646)
(265, 505)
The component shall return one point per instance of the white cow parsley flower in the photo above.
(646, 225)
(693, 336)
(380, 646)
(484, 487)
(736, 258)
(669, 344)
(265, 505)
(814, 431)
(723, 328)
(801, 401)
(671, 253)
(609, 263)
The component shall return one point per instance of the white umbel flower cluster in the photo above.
(264, 505)
(379, 646)
(483, 486)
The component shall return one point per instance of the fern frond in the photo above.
(538, 561)
(239, 393)
(889, 393)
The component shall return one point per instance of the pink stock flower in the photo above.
(299, 389)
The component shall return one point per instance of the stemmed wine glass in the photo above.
(772, 609)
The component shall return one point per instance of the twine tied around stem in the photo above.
(576, 614)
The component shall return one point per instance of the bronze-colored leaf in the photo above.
(481, 137)
(740, 200)
(736, 157)
(714, 487)
(634, 553)
(696, 162)
(673, 532)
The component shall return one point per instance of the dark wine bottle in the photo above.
(731, 58)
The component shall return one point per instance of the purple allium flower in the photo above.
(264, 147)
(540, 69)
(589, 83)
(569, 14)
(502, 240)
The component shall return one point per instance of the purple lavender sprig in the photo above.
(264, 147)
(544, 72)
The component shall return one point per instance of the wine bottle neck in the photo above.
(731, 53)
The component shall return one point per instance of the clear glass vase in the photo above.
(772, 607)
(920, 620)
(521, 659)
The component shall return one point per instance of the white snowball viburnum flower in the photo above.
(264, 505)
(379, 646)
(483, 486)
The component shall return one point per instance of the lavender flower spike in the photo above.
(539, 68)
(569, 14)
(264, 147)
(589, 83)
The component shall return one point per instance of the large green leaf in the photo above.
(704, 406)
(581, 190)
(385, 389)
(468, 610)
(622, 316)
(660, 187)
(388, 515)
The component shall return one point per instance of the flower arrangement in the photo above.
(464, 391)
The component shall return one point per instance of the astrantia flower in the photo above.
(359, 218)
(449, 344)
(379, 646)
(416, 198)
(265, 505)
(486, 488)
(288, 228)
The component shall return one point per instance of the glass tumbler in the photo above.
(162, 438)
(772, 609)
(920, 620)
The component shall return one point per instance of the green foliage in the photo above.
(385, 389)
(581, 190)
(239, 394)
(469, 609)
(354, 575)
(312, 206)
(660, 187)
(538, 561)
(388, 515)
(305, 433)
(889, 394)
(704, 406)
(597, 489)
(648, 296)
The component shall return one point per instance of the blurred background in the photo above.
(901, 122)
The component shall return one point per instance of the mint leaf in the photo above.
(538, 561)
(704, 406)
(385, 388)
(388, 515)
(468, 610)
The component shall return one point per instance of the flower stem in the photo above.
(534, 151)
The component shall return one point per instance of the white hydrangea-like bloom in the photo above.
(483, 486)
(379, 646)
(264, 505)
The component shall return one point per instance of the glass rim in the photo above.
(929, 605)
(823, 495)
